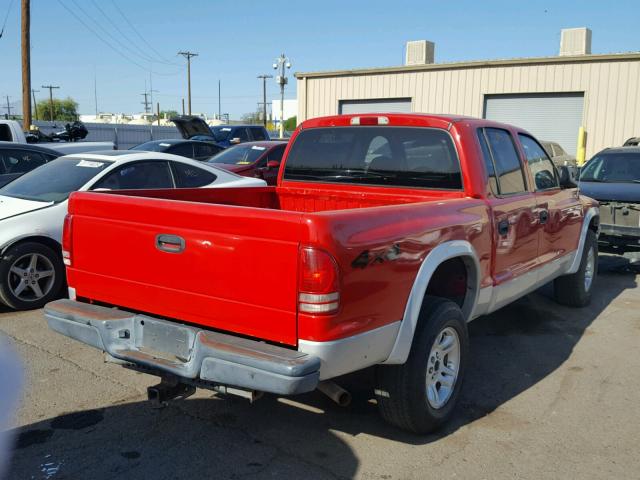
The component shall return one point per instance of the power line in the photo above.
(122, 54)
(142, 54)
(4, 24)
(135, 30)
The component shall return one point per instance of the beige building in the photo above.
(552, 97)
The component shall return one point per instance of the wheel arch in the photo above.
(591, 222)
(459, 250)
(43, 239)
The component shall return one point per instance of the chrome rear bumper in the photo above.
(186, 351)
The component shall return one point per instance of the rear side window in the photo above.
(138, 175)
(204, 151)
(21, 161)
(182, 149)
(506, 161)
(258, 133)
(391, 156)
(541, 166)
(242, 134)
(188, 176)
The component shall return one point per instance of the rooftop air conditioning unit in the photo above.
(419, 52)
(575, 41)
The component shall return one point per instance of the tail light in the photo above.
(67, 239)
(318, 284)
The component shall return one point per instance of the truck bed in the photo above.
(238, 271)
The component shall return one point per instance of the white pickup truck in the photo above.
(11, 131)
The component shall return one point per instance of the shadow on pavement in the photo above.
(302, 437)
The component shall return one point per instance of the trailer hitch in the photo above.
(168, 389)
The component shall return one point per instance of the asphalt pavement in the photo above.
(551, 392)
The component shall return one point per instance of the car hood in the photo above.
(620, 192)
(231, 167)
(10, 206)
(190, 126)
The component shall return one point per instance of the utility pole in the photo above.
(219, 104)
(183, 106)
(158, 112)
(50, 87)
(188, 56)
(264, 97)
(8, 108)
(146, 102)
(26, 64)
(35, 105)
(281, 63)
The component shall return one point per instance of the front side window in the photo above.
(391, 156)
(506, 161)
(136, 176)
(542, 168)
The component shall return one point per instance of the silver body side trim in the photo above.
(352, 353)
(592, 212)
(440, 254)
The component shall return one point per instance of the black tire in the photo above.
(16, 256)
(572, 290)
(401, 390)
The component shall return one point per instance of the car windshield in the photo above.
(391, 156)
(54, 181)
(152, 146)
(239, 155)
(614, 167)
(221, 133)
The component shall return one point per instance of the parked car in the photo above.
(252, 159)
(196, 149)
(613, 178)
(11, 131)
(17, 159)
(632, 142)
(385, 236)
(32, 210)
(558, 155)
(196, 128)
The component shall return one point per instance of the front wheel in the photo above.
(420, 395)
(31, 275)
(575, 290)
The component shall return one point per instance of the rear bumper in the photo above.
(186, 351)
(619, 235)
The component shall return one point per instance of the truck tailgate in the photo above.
(235, 272)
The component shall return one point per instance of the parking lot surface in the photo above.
(550, 392)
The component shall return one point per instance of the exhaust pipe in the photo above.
(335, 392)
(168, 389)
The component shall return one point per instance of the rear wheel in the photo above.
(420, 395)
(575, 290)
(31, 275)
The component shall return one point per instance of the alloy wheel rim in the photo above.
(31, 277)
(589, 270)
(443, 367)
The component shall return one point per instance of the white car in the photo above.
(33, 207)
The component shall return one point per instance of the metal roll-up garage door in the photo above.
(552, 117)
(382, 105)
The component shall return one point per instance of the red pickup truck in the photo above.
(385, 235)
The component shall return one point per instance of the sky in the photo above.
(120, 42)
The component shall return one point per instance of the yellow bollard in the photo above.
(582, 146)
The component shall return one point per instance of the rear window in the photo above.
(390, 156)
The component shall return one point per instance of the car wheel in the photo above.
(31, 275)
(575, 290)
(420, 395)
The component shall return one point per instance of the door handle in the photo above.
(503, 227)
(544, 216)
(170, 243)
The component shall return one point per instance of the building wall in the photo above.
(611, 90)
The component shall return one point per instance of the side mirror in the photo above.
(273, 164)
(567, 180)
(234, 141)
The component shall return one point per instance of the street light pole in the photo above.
(264, 97)
(188, 56)
(281, 63)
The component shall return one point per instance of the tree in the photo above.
(253, 117)
(290, 124)
(65, 110)
(169, 114)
